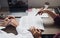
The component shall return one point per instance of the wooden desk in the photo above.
(51, 30)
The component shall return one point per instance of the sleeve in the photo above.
(57, 20)
(6, 35)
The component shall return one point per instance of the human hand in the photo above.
(43, 11)
(40, 12)
(35, 32)
(14, 22)
(5, 22)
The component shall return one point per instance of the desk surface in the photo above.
(51, 30)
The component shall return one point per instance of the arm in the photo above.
(53, 15)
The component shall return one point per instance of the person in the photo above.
(9, 20)
(56, 17)
(31, 23)
(21, 33)
(28, 22)
(10, 23)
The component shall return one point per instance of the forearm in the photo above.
(53, 15)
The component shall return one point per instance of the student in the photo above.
(21, 33)
(26, 23)
(55, 16)
(11, 20)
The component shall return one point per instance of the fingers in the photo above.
(40, 12)
(14, 23)
(36, 31)
(6, 19)
(39, 31)
(32, 28)
(10, 17)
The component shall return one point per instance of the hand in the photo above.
(40, 12)
(6, 19)
(14, 22)
(35, 32)
(6, 22)
(43, 11)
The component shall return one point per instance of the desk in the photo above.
(51, 30)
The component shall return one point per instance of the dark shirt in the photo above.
(57, 35)
(10, 29)
(57, 21)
